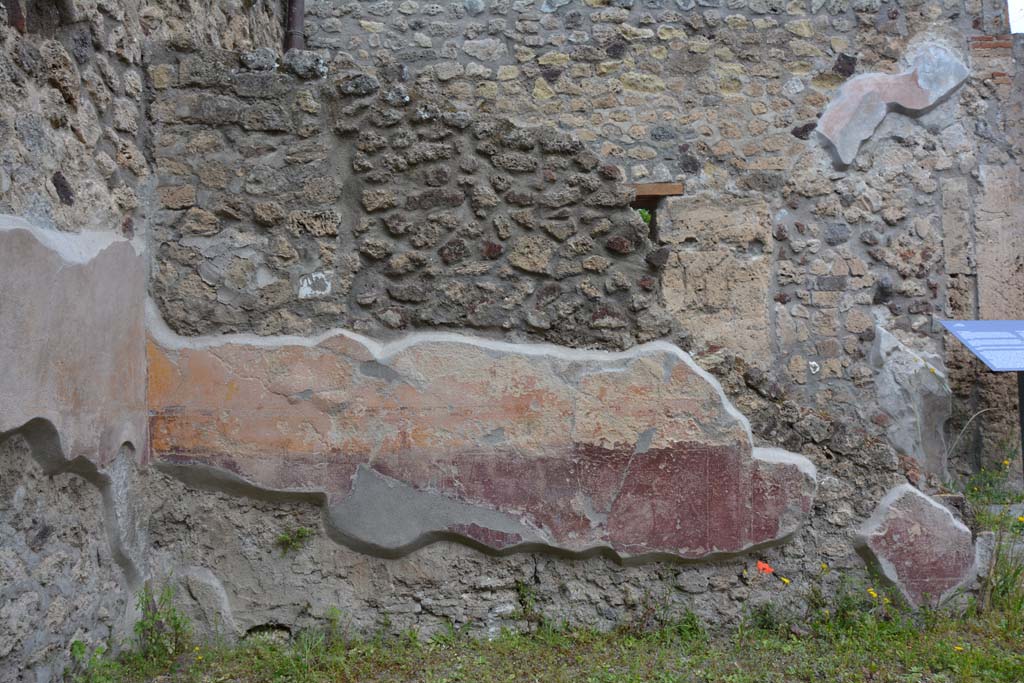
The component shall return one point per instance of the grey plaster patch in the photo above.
(912, 389)
(206, 603)
(80, 297)
(399, 518)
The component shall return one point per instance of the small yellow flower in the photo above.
(886, 601)
(824, 566)
(784, 580)
(1021, 519)
(196, 648)
(958, 648)
(199, 658)
(1006, 463)
(872, 593)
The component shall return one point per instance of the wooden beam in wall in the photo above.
(657, 190)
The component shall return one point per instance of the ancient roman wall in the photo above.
(293, 206)
(400, 269)
(724, 96)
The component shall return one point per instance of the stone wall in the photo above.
(59, 581)
(329, 190)
(983, 260)
(724, 96)
(460, 166)
(72, 122)
(289, 206)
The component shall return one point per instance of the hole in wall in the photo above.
(648, 198)
(277, 633)
(648, 210)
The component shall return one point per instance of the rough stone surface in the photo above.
(854, 114)
(213, 543)
(919, 546)
(72, 100)
(426, 215)
(59, 578)
(720, 266)
(508, 446)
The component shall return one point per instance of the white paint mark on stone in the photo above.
(792, 87)
(315, 285)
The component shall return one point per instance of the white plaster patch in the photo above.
(315, 285)
(73, 247)
(792, 87)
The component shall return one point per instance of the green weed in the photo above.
(294, 540)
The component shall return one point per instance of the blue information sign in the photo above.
(998, 343)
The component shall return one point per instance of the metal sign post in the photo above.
(1000, 345)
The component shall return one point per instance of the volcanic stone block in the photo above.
(864, 101)
(919, 546)
(717, 278)
(505, 446)
(998, 218)
(73, 343)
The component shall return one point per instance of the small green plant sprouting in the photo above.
(336, 633)
(645, 215)
(527, 603)
(449, 637)
(78, 651)
(1003, 588)
(163, 632)
(86, 667)
(293, 541)
(162, 636)
(689, 628)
